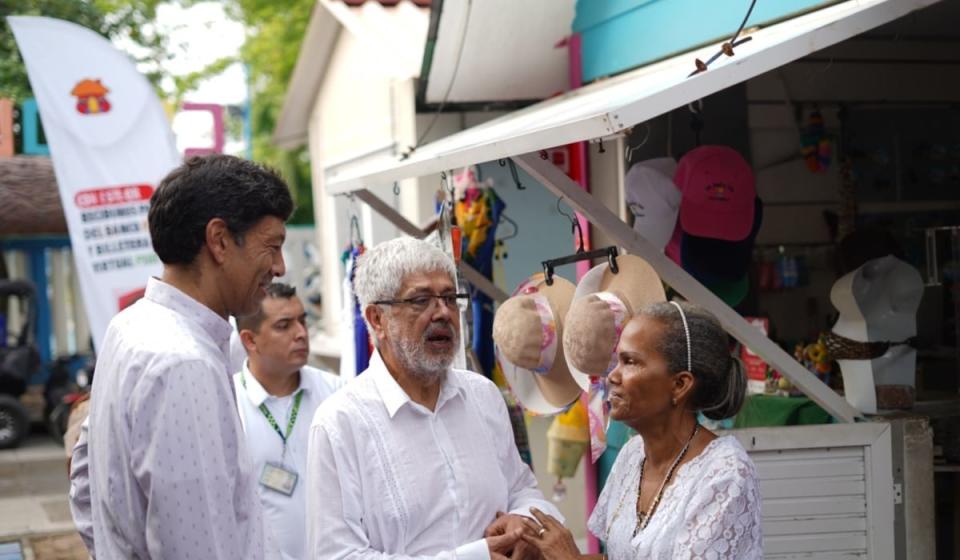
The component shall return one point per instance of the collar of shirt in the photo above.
(255, 391)
(172, 298)
(393, 395)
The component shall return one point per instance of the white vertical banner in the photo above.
(111, 144)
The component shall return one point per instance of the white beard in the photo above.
(413, 356)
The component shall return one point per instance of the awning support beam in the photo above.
(479, 281)
(557, 182)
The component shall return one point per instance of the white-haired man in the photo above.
(414, 458)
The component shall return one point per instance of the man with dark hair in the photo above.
(170, 476)
(277, 394)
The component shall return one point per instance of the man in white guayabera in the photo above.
(414, 458)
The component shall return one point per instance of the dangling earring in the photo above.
(673, 401)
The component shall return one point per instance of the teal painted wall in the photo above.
(622, 34)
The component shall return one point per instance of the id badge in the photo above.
(278, 479)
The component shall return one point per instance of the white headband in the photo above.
(686, 331)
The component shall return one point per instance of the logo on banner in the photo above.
(91, 97)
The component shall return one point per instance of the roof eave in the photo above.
(318, 44)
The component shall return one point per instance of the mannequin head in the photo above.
(878, 304)
(883, 296)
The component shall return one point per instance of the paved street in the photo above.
(35, 518)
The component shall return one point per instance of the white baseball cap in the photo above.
(653, 199)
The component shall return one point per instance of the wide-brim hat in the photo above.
(602, 304)
(718, 189)
(528, 329)
(714, 261)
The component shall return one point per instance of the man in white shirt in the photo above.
(414, 458)
(169, 473)
(277, 394)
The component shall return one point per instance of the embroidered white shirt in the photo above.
(285, 515)
(710, 510)
(170, 476)
(391, 479)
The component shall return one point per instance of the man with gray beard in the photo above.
(415, 458)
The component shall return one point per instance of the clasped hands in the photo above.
(521, 538)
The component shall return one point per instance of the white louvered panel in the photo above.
(826, 491)
(816, 454)
(818, 556)
(807, 507)
(814, 502)
(834, 542)
(839, 486)
(792, 469)
(814, 525)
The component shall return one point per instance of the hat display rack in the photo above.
(529, 333)
(721, 209)
(609, 253)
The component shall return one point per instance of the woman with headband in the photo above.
(677, 490)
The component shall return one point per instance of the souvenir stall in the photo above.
(829, 491)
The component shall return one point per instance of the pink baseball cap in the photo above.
(718, 193)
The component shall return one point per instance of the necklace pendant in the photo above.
(641, 523)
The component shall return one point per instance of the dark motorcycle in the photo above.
(61, 394)
(19, 359)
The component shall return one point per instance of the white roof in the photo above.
(610, 106)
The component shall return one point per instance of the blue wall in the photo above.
(544, 233)
(36, 249)
(622, 34)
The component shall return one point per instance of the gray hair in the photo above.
(381, 270)
(721, 381)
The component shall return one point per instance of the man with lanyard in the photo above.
(277, 394)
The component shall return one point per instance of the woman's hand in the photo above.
(553, 540)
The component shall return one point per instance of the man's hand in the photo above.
(500, 545)
(508, 523)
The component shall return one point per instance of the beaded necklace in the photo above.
(643, 518)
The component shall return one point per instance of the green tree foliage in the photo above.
(274, 33)
(111, 18)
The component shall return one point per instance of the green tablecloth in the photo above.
(769, 410)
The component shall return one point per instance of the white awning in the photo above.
(610, 106)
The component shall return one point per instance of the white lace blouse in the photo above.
(711, 509)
